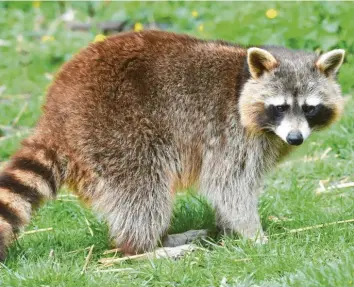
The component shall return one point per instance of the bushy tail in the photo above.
(32, 176)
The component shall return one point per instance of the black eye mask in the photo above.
(318, 115)
(272, 115)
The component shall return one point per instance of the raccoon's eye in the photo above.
(308, 109)
(282, 108)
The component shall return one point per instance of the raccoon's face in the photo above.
(290, 93)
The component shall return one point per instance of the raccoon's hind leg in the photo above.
(138, 221)
(32, 176)
(138, 209)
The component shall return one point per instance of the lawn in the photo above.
(35, 40)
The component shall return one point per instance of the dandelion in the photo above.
(99, 38)
(195, 14)
(36, 4)
(271, 13)
(138, 27)
(201, 28)
(47, 38)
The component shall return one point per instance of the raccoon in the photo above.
(134, 118)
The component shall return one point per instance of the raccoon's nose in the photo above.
(295, 138)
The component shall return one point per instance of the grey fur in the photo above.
(131, 119)
(208, 131)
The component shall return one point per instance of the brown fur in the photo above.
(130, 120)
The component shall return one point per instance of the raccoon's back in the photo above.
(139, 89)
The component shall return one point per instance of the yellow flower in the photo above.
(271, 13)
(138, 27)
(195, 14)
(201, 28)
(36, 4)
(99, 38)
(47, 38)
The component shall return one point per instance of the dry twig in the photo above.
(115, 250)
(322, 189)
(314, 227)
(114, 270)
(35, 231)
(11, 97)
(242, 259)
(87, 260)
(165, 252)
(88, 226)
(325, 153)
(17, 134)
(19, 115)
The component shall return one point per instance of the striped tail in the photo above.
(32, 176)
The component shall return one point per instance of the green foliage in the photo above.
(33, 45)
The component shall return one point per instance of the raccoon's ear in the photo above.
(330, 62)
(260, 61)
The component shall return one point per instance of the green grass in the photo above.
(316, 257)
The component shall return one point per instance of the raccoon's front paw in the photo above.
(179, 239)
(255, 235)
(259, 239)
